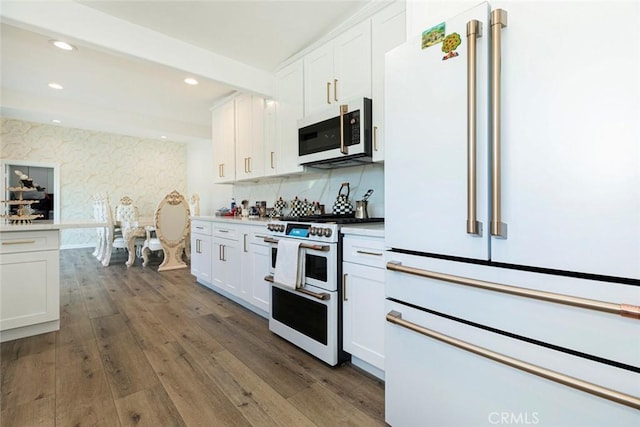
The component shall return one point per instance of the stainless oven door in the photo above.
(320, 264)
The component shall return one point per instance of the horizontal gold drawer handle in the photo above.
(594, 389)
(19, 242)
(622, 309)
(369, 253)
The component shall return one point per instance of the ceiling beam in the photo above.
(85, 25)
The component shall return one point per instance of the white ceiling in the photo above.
(126, 75)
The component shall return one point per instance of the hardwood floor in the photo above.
(142, 348)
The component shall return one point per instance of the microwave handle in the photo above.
(343, 110)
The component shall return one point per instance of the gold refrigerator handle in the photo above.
(624, 310)
(606, 393)
(498, 22)
(343, 110)
(474, 30)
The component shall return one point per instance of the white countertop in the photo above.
(234, 219)
(52, 225)
(374, 229)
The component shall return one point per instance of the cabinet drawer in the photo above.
(29, 241)
(364, 250)
(201, 227)
(225, 232)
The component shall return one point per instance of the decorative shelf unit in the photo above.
(24, 214)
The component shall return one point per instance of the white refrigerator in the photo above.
(512, 194)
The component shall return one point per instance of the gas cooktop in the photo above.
(331, 218)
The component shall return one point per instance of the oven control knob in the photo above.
(281, 228)
(326, 232)
(270, 227)
(312, 231)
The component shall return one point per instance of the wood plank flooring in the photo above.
(142, 348)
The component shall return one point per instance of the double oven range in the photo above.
(311, 316)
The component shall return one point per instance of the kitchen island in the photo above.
(30, 276)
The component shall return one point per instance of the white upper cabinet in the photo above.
(281, 116)
(223, 139)
(339, 70)
(249, 137)
(388, 30)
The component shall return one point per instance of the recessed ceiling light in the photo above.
(62, 45)
(191, 81)
(163, 137)
(54, 85)
(56, 121)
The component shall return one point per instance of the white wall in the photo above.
(92, 162)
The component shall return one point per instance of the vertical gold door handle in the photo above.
(328, 91)
(335, 90)
(375, 138)
(474, 30)
(343, 148)
(344, 287)
(249, 164)
(498, 22)
(272, 167)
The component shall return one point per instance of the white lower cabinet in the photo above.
(29, 283)
(256, 259)
(232, 258)
(225, 269)
(201, 250)
(364, 299)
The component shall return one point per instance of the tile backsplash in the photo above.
(321, 186)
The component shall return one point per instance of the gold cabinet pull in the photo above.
(19, 242)
(368, 253)
(344, 287)
(375, 138)
(272, 167)
(335, 90)
(474, 30)
(594, 389)
(498, 22)
(328, 90)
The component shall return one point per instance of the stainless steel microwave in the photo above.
(339, 136)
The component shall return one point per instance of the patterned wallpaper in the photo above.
(92, 162)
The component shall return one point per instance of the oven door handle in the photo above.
(321, 296)
(303, 245)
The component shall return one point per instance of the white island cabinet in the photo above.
(29, 283)
(30, 277)
(363, 297)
